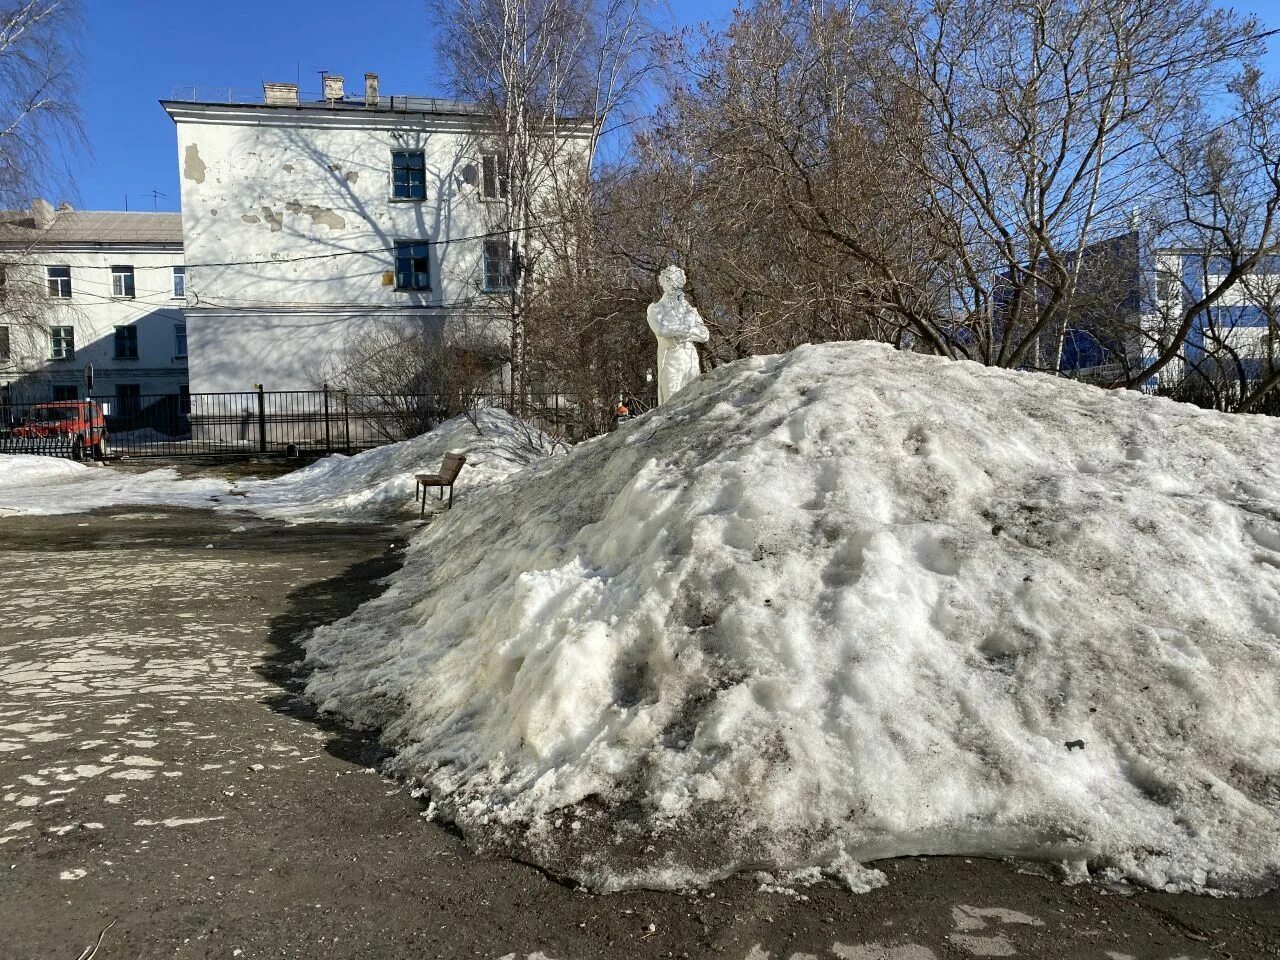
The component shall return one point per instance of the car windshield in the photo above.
(52, 414)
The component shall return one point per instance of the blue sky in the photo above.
(137, 51)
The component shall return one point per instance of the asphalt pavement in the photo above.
(165, 792)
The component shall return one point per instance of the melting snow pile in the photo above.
(17, 470)
(380, 481)
(33, 486)
(375, 483)
(846, 604)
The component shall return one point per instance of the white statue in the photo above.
(678, 326)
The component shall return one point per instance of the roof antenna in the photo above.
(155, 196)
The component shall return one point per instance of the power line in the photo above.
(500, 232)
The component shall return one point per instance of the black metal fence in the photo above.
(266, 422)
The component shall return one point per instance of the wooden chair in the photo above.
(449, 471)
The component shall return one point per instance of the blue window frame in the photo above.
(413, 268)
(408, 175)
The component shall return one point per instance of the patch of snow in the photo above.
(380, 481)
(175, 821)
(374, 484)
(845, 604)
(21, 470)
(37, 486)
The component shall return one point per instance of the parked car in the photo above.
(78, 423)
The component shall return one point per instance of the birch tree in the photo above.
(550, 76)
(39, 125)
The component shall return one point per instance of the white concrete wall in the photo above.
(290, 225)
(94, 313)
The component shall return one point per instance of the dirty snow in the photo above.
(375, 484)
(380, 481)
(845, 604)
(35, 486)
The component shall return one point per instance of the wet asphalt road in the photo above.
(160, 780)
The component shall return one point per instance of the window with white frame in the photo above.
(497, 266)
(408, 175)
(413, 268)
(493, 176)
(179, 283)
(179, 339)
(127, 343)
(122, 281)
(62, 343)
(59, 282)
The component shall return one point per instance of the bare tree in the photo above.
(1222, 225)
(550, 75)
(1043, 123)
(402, 381)
(39, 126)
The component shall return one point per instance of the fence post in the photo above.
(262, 419)
(328, 446)
(346, 421)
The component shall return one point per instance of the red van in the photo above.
(78, 422)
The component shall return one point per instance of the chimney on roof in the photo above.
(284, 94)
(42, 213)
(333, 87)
(370, 89)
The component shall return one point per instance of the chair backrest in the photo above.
(452, 466)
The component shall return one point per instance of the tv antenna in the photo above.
(155, 196)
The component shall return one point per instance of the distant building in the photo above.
(91, 287)
(309, 223)
(1128, 303)
(1236, 341)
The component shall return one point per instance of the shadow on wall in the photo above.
(150, 369)
(339, 208)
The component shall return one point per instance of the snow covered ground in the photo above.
(845, 604)
(34, 486)
(380, 482)
(375, 484)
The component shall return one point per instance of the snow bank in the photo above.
(380, 481)
(19, 469)
(35, 486)
(846, 604)
(375, 484)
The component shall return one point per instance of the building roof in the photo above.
(397, 103)
(350, 105)
(91, 226)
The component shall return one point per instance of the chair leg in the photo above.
(451, 496)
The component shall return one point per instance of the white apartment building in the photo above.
(308, 223)
(96, 288)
